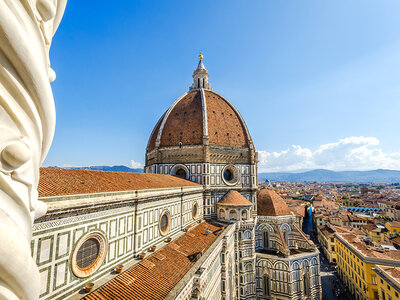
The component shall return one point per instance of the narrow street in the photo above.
(332, 287)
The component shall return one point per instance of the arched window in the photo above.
(306, 282)
(244, 215)
(198, 82)
(266, 287)
(247, 234)
(249, 268)
(233, 215)
(203, 82)
(266, 240)
(222, 214)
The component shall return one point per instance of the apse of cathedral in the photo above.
(194, 226)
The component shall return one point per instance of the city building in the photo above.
(388, 282)
(393, 227)
(327, 241)
(195, 226)
(356, 260)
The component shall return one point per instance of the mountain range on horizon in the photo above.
(319, 175)
(323, 175)
(119, 168)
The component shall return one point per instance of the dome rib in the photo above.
(166, 117)
(151, 144)
(184, 124)
(205, 115)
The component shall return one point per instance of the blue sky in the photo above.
(318, 82)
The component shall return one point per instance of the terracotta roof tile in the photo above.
(224, 125)
(185, 122)
(270, 203)
(58, 182)
(234, 198)
(140, 282)
(369, 251)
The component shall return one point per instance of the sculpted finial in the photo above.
(27, 122)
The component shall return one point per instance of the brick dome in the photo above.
(270, 203)
(197, 115)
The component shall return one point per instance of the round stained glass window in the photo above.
(89, 254)
(164, 223)
(230, 175)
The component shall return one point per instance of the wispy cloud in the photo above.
(350, 153)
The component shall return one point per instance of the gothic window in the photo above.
(266, 240)
(306, 282)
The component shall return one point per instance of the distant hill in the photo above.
(106, 168)
(321, 175)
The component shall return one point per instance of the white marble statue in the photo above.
(27, 122)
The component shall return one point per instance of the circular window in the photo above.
(230, 175)
(89, 254)
(164, 222)
(195, 211)
(181, 173)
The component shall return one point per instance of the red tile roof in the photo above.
(58, 182)
(270, 203)
(157, 275)
(234, 198)
(224, 125)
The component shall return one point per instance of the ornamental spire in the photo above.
(200, 76)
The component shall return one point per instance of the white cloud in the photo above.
(136, 165)
(350, 153)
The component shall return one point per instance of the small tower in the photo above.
(200, 77)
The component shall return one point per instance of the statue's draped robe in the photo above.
(27, 122)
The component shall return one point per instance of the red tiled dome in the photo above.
(270, 203)
(188, 118)
(234, 198)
